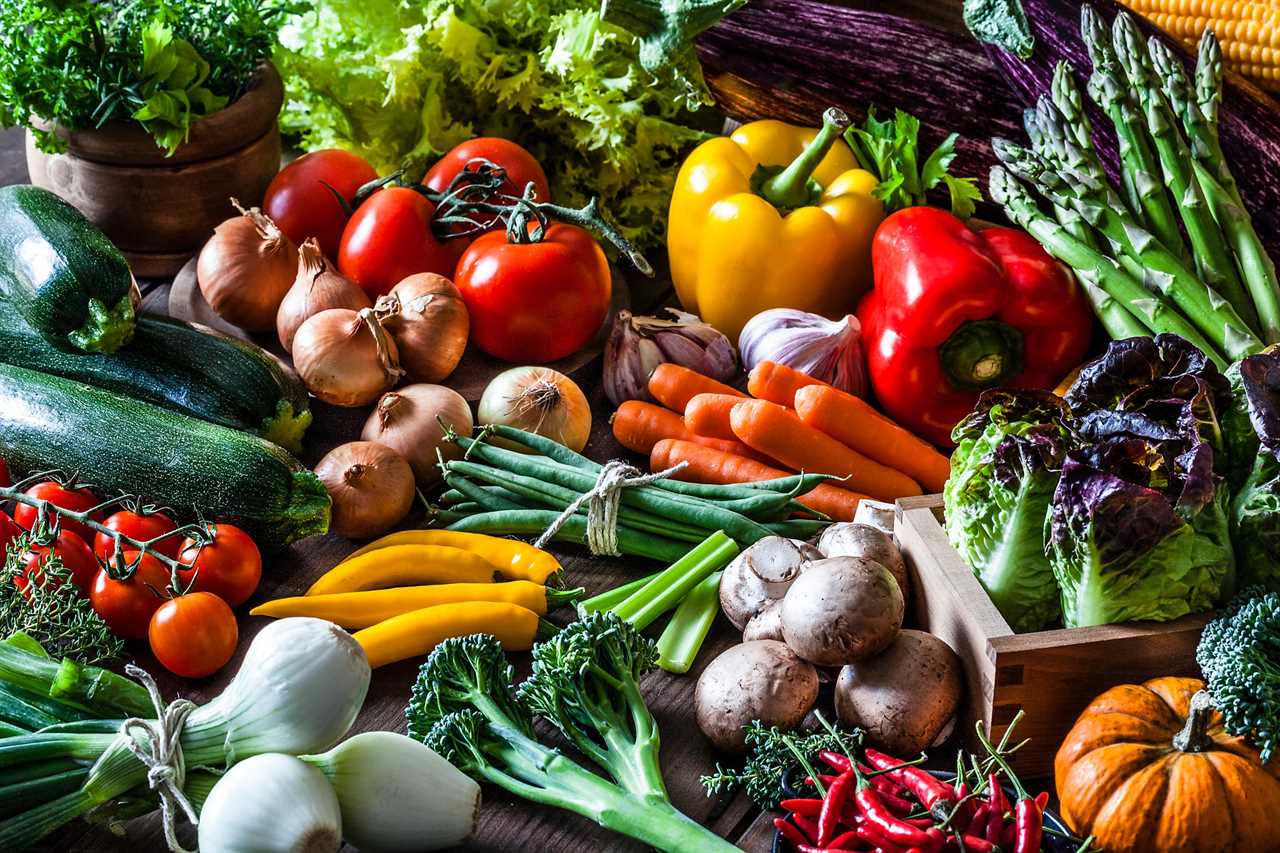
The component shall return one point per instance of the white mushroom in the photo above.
(841, 610)
(759, 574)
(762, 680)
(851, 539)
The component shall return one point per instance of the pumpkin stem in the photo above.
(1194, 735)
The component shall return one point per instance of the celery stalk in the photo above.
(671, 585)
(611, 597)
(685, 633)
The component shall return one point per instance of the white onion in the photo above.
(829, 350)
(538, 400)
(397, 795)
(271, 803)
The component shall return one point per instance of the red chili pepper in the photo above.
(833, 805)
(846, 839)
(1042, 800)
(995, 827)
(972, 844)
(882, 782)
(934, 794)
(789, 831)
(825, 779)
(807, 825)
(897, 805)
(806, 807)
(878, 815)
(868, 833)
(936, 840)
(922, 822)
(1029, 821)
(978, 823)
(836, 760)
(994, 831)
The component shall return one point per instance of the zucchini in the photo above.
(63, 274)
(192, 370)
(119, 444)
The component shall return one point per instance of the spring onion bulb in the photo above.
(397, 795)
(271, 803)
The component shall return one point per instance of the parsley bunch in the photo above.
(163, 63)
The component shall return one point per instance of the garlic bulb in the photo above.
(271, 803)
(829, 350)
(637, 345)
(397, 795)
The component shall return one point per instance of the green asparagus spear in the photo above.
(1098, 203)
(1066, 97)
(1096, 269)
(1070, 220)
(1139, 169)
(1213, 260)
(1208, 97)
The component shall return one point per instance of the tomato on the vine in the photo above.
(9, 531)
(140, 526)
(535, 302)
(193, 635)
(230, 566)
(522, 168)
(76, 556)
(298, 201)
(76, 500)
(127, 604)
(389, 239)
(5, 480)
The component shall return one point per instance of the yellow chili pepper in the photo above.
(417, 632)
(774, 216)
(402, 565)
(369, 607)
(516, 560)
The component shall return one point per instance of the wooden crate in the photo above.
(1051, 675)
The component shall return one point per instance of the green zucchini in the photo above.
(119, 444)
(63, 274)
(195, 371)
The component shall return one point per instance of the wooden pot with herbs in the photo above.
(148, 116)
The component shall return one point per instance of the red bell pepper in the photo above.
(956, 310)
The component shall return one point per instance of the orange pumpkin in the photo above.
(1148, 770)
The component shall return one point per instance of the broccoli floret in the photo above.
(586, 682)
(461, 673)
(773, 753)
(1239, 654)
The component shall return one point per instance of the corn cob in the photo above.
(1249, 31)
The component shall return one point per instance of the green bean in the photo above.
(559, 498)
(547, 447)
(532, 522)
(704, 514)
(797, 528)
(487, 499)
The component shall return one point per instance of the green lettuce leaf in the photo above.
(401, 83)
(1252, 430)
(1003, 475)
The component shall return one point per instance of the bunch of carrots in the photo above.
(790, 423)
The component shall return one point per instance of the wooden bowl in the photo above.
(159, 210)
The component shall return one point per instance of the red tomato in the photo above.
(76, 555)
(141, 527)
(521, 167)
(535, 302)
(389, 239)
(300, 203)
(127, 605)
(5, 480)
(229, 567)
(76, 500)
(193, 635)
(8, 532)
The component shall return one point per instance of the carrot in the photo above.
(856, 424)
(778, 383)
(639, 426)
(708, 465)
(674, 386)
(779, 434)
(708, 414)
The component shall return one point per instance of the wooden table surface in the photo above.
(507, 823)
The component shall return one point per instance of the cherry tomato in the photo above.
(5, 479)
(127, 605)
(521, 167)
(9, 531)
(193, 635)
(300, 203)
(76, 555)
(389, 239)
(141, 527)
(535, 302)
(76, 500)
(229, 567)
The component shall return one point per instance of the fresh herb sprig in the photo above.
(163, 63)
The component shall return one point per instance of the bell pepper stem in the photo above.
(982, 354)
(791, 187)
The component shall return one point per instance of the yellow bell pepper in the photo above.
(774, 216)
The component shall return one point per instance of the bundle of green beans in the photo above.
(506, 492)
(1173, 248)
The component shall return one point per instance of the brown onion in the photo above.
(371, 487)
(409, 421)
(427, 317)
(345, 357)
(317, 287)
(246, 268)
(538, 400)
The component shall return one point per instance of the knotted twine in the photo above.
(602, 505)
(161, 753)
